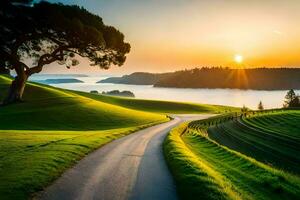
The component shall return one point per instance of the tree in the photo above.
(295, 103)
(244, 109)
(45, 33)
(7, 12)
(260, 106)
(291, 99)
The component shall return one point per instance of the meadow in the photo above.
(272, 138)
(206, 167)
(54, 128)
(158, 106)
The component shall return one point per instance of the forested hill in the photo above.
(258, 79)
(137, 78)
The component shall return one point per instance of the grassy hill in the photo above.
(158, 106)
(51, 130)
(273, 138)
(47, 108)
(203, 167)
(54, 128)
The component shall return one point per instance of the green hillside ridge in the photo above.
(202, 167)
(54, 109)
(159, 106)
(54, 128)
(271, 137)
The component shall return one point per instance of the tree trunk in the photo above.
(16, 89)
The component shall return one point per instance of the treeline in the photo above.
(218, 77)
(124, 93)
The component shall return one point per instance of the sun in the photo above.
(238, 58)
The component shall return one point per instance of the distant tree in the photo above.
(295, 103)
(119, 93)
(94, 92)
(260, 106)
(244, 109)
(291, 99)
(45, 33)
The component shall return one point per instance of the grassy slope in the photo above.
(273, 138)
(47, 108)
(161, 106)
(54, 128)
(29, 160)
(203, 168)
(286, 123)
(48, 133)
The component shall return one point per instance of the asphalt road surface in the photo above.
(132, 167)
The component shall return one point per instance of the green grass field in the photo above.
(157, 106)
(273, 138)
(47, 108)
(29, 160)
(204, 168)
(54, 128)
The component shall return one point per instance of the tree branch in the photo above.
(45, 59)
(21, 40)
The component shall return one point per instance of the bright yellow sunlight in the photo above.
(238, 59)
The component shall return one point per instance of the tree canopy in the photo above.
(260, 106)
(291, 99)
(47, 33)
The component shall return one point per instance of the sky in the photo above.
(170, 35)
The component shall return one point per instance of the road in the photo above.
(132, 167)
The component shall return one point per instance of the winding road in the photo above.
(132, 167)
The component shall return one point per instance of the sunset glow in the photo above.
(238, 59)
(188, 34)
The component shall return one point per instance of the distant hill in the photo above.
(59, 81)
(256, 79)
(137, 78)
(60, 75)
